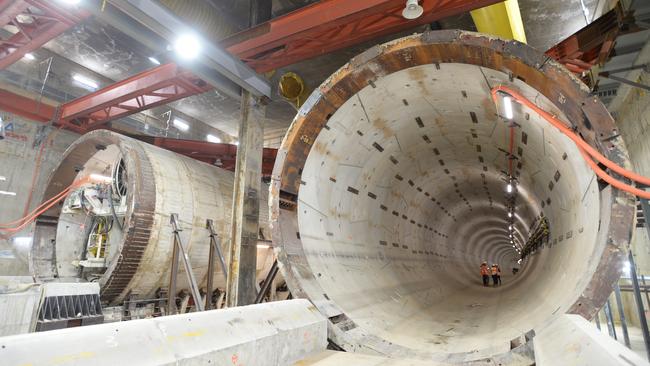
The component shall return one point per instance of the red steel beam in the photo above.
(158, 86)
(221, 155)
(316, 29)
(36, 22)
(330, 25)
(592, 44)
(26, 107)
(310, 31)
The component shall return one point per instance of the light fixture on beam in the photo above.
(29, 57)
(413, 10)
(213, 139)
(86, 82)
(154, 61)
(181, 125)
(187, 46)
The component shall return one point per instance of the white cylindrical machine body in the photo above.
(155, 183)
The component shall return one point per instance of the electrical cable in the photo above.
(588, 152)
(9, 228)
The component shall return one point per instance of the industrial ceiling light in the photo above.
(413, 10)
(85, 82)
(507, 106)
(187, 46)
(2, 179)
(29, 57)
(509, 214)
(70, 2)
(154, 61)
(509, 188)
(5, 193)
(213, 139)
(181, 125)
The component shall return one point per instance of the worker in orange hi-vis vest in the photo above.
(495, 275)
(485, 273)
(499, 275)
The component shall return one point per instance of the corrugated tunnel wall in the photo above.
(390, 190)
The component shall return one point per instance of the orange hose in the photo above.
(15, 222)
(611, 180)
(41, 208)
(587, 151)
(569, 133)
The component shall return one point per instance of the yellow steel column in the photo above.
(502, 20)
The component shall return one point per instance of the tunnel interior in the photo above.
(391, 189)
(411, 176)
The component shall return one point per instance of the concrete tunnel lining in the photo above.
(384, 228)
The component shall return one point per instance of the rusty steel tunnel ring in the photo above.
(523, 65)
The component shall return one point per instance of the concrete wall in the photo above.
(18, 155)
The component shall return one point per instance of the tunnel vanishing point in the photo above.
(389, 190)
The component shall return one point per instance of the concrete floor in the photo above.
(340, 358)
(636, 339)
(333, 358)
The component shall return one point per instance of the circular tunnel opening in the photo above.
(401, 175)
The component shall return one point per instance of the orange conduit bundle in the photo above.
(17, 225)
(588, 152)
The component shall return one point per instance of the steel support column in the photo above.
(610, 320)
(179, 252)
(268, 281)
(621, 314)
(639, 302)
(242, 252)
(214, 254)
